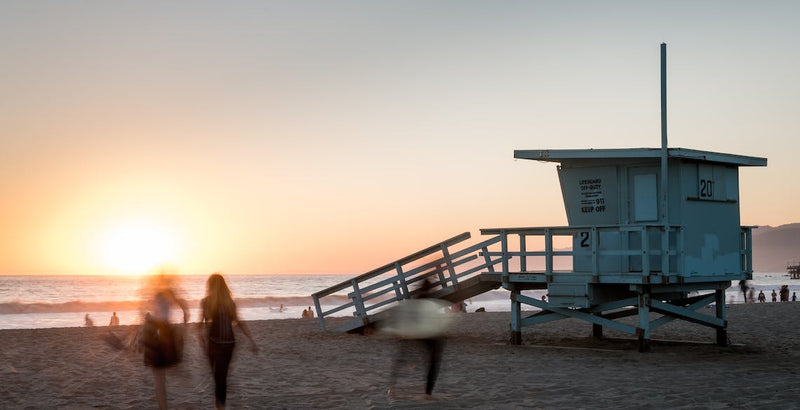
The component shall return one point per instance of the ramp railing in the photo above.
(449, 268)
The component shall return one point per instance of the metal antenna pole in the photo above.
(664, 160)
(663, 98)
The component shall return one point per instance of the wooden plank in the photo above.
(616, 304)
(578, 314)
(320, 316)
(338, 309)
(686, 314)
(694, 303)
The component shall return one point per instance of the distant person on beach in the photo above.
(794, 296)
(784, 293)
(87, 321)
(743, 286)
(216, 333)
(114, 320)
(774, 296)
(161, 340)
(305, 314)
(761, 297)
(310, 312)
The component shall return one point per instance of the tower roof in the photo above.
(560, 155)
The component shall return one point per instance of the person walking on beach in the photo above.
(216, 327)
(114, 320)
(774, 296)
(432, 344)
(794, 296)
(761, 297)
(162, 341)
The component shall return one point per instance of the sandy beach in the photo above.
(559, 366)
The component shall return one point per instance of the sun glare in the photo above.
(135, 247)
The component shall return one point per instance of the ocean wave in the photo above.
(129, 305)
(72, 306)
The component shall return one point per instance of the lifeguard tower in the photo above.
(650, 230)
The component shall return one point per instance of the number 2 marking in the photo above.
(584, 239)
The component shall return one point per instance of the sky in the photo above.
(337, 136)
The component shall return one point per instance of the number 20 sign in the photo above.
(706, 187)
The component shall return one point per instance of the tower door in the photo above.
(643, 208)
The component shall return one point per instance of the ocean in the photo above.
(32, 302)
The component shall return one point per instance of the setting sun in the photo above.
(136, 246)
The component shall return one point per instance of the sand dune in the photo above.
(558, 367)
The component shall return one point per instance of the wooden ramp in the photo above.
(456, 272)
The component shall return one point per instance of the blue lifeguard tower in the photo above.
(650, 230)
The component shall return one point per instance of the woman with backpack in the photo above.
(216, 328)
(161, 340)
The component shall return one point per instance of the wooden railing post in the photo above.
(548, 252)
(665, 250)
(487, 260)
(680, 257)
(402, 277)
(504, 250)
(595, 256)
(645, 251)
(361, 312)
(449, 263)
(320, 315)
(440, 275)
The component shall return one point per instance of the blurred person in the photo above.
(761, 297)
(774, 296)
(784, 293)
(216, 333)
(87, 321)
(162, 342)
(114, 320)
(459, 307)
(417, 325)
(744, 287)
(310, 312)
